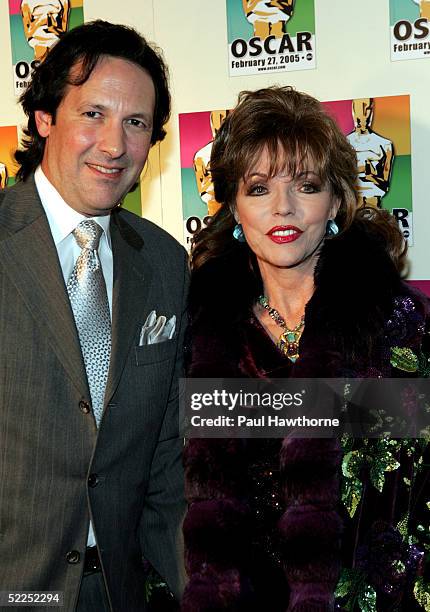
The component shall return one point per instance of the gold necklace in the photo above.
(288, 342)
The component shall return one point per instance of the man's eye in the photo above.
(92, 114)
(137, 123)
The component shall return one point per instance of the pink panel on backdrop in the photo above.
(14, 7)
(195, 132)
(341, 111)
(422, 285)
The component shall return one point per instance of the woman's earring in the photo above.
(331, 228)
(238, 233)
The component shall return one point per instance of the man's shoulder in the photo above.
(21, 189)
(153, 236)
(12, 191)
(19, 206)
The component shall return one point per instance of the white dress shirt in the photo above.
(62, 221)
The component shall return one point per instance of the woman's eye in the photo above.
(309, 188)
(257, 190)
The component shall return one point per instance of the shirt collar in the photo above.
(62, 218)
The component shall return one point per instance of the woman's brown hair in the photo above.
(296, 131)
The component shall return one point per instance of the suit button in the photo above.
(93, 480)
(73, 557)
(84, 407)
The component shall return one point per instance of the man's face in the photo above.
(362, 113)
(44, 20)
(99, 143)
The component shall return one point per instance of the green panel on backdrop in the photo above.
(133, 202)
(192, 204)
(76, 17)
(303, 19)
(21, 50)
(403, 9)
(400, 194)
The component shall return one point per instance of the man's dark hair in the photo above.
(86, 44)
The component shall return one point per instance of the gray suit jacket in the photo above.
(56, 468)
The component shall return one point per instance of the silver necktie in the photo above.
(87, 292)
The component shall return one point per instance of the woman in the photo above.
(291, 280)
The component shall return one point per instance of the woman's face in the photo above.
(284, 219)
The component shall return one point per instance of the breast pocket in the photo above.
(155, 353)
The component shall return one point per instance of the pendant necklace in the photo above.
(288, 342)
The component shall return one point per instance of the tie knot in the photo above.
(87, 234)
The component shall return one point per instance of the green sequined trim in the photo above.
(404, 359)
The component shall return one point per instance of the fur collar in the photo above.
(355, 286)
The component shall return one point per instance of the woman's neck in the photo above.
(288, 290)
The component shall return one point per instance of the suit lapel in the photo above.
(30, 259)
(133, 293)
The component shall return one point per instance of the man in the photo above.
(375, 155)
(90, 464)
(44, 23)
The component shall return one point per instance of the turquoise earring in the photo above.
(331, 228)
(238, 233)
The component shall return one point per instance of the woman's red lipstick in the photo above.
(284, 233)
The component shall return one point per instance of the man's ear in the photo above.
(43, 122)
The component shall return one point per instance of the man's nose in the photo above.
(112, 139)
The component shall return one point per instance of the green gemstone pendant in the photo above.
(289, 345)
(288, 342)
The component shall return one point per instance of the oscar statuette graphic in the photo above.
(375, 155)
(44, 23)
(35, 26)
(202, 167)
(3, 176)
(268, 18)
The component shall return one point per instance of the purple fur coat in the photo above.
(266, 528)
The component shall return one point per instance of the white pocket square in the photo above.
(157, 329)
